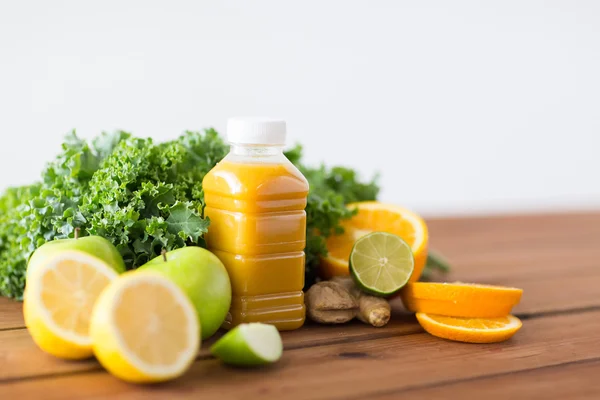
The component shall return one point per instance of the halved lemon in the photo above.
(376, 217)
(144, 328)
(470, 330)
(58, 301)
(460, 299)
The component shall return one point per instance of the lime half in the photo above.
(381, 263)
(249, 345)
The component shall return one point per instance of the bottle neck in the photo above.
(255, 150)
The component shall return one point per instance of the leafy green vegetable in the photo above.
(186, 223)
(13, 203)
(145, 197)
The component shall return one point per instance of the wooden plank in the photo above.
(559, 294)
(515, 230)
(505, 248)
(555, 258)
(552, 257)
(11, 314)
(580, 293)
(18, 350)
(547, 226)
(541, 273)
(495, 250)
(553, 279)
(578, 380)
(26, 360)
(21, 358)
(352, 370)
(505, 264)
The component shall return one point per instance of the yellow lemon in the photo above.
(144, 328)
(58, 302)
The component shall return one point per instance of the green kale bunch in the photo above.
(145, 197)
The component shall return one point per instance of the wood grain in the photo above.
(496, 250)
(357, 369)
(554, 258)
(541, 226)
(577, 380)
(21, 358)
(11, 314)
(504, 249)
(26, 361)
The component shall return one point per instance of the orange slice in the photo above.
(460, 299)
(376, 217)
(470, 330)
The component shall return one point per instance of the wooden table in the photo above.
(554, 258)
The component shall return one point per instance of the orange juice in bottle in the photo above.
(255, 199)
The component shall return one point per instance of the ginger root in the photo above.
(339, 300)
(330, 303)
(372, 310)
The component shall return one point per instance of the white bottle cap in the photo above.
(256, 130)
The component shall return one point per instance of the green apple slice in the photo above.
(249, 345)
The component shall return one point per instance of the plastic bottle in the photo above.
(255, 199)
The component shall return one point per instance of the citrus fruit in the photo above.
(144, 328)
(249, 345)
(470, 330)
(203, 278)
(381, 263)
(373, 216)
(460, 299)
(59, 298)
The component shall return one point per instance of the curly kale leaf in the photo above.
(141, 196)
(145, 197)
(49, 209)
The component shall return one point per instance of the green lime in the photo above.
(249, 345)
(381, 263)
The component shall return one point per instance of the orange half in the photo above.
(376, 217)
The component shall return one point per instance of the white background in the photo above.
(463, 106)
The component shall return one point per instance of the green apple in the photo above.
(96, 246)
(203, 277)
(249, 345)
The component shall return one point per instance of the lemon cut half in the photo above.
(58, 302)
(144, 328)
